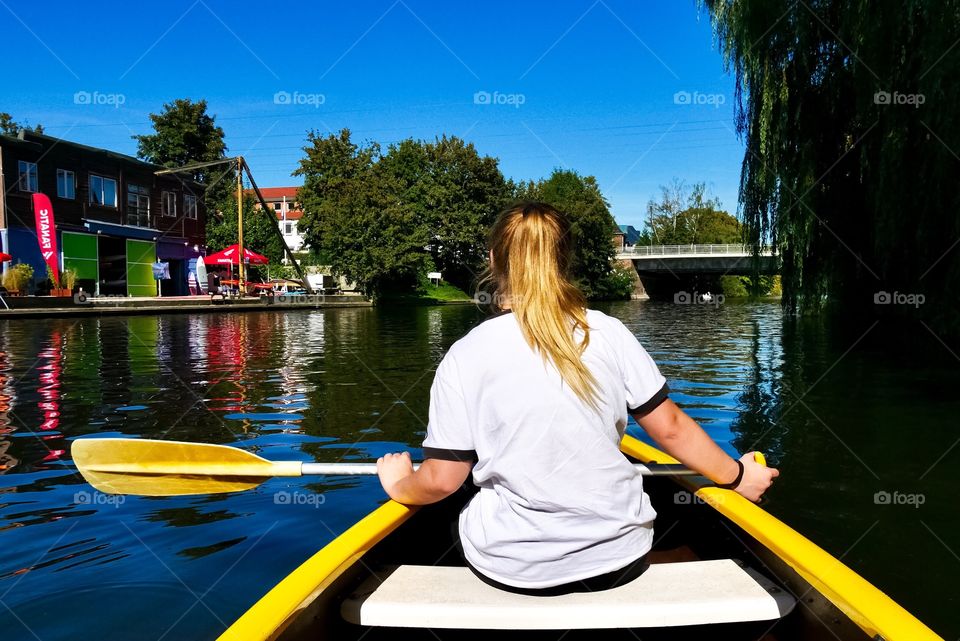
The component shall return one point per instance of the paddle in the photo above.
(172, 468)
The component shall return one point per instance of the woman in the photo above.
(534, 401)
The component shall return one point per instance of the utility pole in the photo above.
(243, 275)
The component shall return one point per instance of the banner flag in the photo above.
(47, 233)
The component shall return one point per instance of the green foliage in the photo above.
(69, 277)
(18, 277)
(617, 285)
(259, 234)
(354, 213)
(776, 286)
(383, 220)
(579, 197)
(856, 190)
(10, 127)
(53, 279)
(686, 216)
(734, 286)
(442, 292)
(457, 193)
(185, 134)
(311, 258)
(750, 286)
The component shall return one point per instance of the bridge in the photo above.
(732, 259)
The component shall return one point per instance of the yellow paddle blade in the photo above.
(168, 485)
(170, 468)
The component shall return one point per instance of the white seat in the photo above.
(666, 595)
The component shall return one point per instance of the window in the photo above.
(168, 203)
(103, 191)
(288, 229)
(28, 176)
(190, 206)
(278, 206)
(66, 184)
(138, 206)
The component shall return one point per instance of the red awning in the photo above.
(5, 257)
(231, 255)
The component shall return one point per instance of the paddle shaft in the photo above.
(174, 468)
(353, 469)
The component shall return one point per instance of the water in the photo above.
(350, 384)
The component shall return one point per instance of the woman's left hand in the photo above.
(393, 468)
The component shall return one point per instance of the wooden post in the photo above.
(243, 275)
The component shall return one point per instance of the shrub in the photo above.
(18, 277)
(617, 285)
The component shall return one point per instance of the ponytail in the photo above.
(532, 250)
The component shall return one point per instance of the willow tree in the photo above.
(852, 145)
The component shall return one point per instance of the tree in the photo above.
(385, 219)
(353, 211)
(457, 193)
(185, 134)
(10, 127)
(847, 112)
(592, 226)
(333, 166)
(686, 216)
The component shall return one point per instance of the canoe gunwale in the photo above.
(279, 608)
(864, 605)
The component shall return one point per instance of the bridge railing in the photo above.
(689, 250)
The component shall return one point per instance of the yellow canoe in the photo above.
(696, 523)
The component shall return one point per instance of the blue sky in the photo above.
(581, 84)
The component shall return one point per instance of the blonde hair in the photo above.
(532, 249)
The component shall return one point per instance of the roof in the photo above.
(293, 214)
(27, 136)
(630, 233)
(273, 193)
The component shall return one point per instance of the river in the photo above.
(846, 415)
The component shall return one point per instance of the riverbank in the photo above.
(57, 307)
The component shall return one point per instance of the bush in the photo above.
(18, 277)
(734, 286)
(69, 278)
(742, 287)
(617, 285)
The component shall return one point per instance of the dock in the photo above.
(78, 305)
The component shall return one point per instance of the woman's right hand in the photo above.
(757, 478)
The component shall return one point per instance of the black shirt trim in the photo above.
(655, 401)
(497, 314)
(467, 456)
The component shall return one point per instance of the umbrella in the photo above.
(231, 255)
(5, 257)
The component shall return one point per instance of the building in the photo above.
(288, 211)
(115, 218)
(626, 236)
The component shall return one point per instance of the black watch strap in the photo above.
(733, 485)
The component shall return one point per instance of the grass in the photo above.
(430, 293)
(444, 291)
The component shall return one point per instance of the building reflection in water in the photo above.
(7, 399)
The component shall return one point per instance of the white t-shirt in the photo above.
(558, 501)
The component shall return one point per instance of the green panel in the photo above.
(142, 333)
(141, 255)
(141, 251)
(80, 254)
